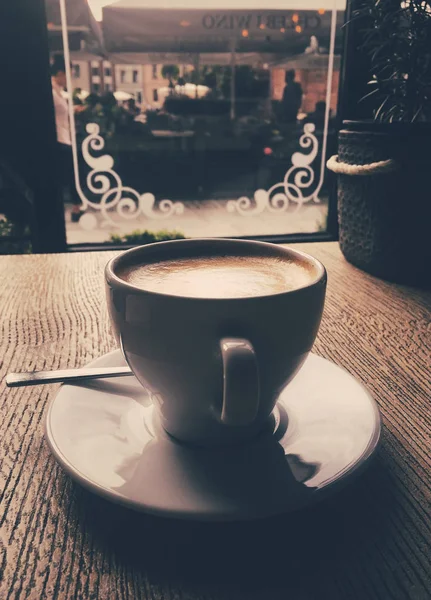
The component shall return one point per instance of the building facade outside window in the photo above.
(234, 175)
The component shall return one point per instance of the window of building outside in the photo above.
(76, 71)
(244, 146)
(108, 72)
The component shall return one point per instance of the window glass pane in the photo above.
(208, 122)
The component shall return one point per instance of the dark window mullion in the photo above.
(27, 123)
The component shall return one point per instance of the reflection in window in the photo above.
(231, 138)
(76, 71)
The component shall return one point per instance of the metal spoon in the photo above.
(65, 375)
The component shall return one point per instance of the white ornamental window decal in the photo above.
(104, 181)
(117, 199)
(293, 189)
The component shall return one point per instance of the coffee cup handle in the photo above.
(240, 382)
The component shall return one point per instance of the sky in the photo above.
(96, 5)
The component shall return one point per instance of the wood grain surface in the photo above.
(370, 541)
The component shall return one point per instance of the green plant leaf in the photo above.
(396, 37)
(142, 237)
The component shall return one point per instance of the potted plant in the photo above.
(384, 165)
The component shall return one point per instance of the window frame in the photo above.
(24, 27)
(26, 20)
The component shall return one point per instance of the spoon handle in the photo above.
(65, 375)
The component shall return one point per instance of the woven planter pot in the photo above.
(385, 217)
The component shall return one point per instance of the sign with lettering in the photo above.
(146, 30)
(261, 22)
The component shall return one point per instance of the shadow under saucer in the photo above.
(324, 428)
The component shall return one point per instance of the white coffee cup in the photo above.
(214, 366)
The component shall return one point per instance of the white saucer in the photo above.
(325, 427)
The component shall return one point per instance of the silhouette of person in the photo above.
(64, 169)
(318, 116)
(292, 98)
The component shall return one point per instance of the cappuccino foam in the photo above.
(219, 276)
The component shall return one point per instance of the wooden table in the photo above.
(371, 541)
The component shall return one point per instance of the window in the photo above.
(233, 175)
(76, 71)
